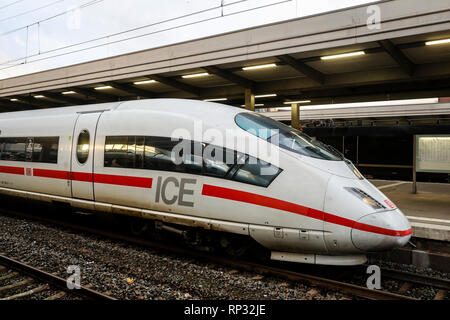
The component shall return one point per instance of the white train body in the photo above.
(308, 213)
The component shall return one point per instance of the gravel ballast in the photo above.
(126, 271)
(129, 272)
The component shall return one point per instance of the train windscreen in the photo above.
(286, 137)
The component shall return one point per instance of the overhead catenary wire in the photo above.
(133, 37)
(52, 17)
(11, 4)
(122, 32)
(31, 11)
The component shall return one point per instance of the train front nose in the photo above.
(382, 230)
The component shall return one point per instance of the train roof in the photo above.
(185, 106)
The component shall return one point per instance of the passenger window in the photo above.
(162, 153)
(131, 152)
(40, 149)
(116, 152)
(256, 172)
(29, 149)
(83, 146)
(45, 149)
(139, 157)
(190, 154)
(218, 161)
(185, 156)
(158, 154)
(2, 147)
(14, 149)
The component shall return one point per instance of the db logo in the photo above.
(29, 172)
(390, 204)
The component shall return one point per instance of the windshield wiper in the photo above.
(336, 151)
(332, 149)
(315, 150)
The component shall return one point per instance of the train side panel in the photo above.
(188, 195)
(46, 178)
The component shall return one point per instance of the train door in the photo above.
(82, 163)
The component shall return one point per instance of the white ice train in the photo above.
(312, 207)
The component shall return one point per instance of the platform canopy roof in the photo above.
(392, 61)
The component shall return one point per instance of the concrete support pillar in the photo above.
(249, 100)
(295, 116)
(414, 185)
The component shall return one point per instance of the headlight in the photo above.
(365, 198)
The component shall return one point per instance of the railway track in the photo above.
(21, 281)
(409, 280)
(316, 281)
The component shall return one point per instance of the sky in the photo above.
(37, 35)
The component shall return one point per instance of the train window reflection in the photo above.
(13, 149)
(256, 172)
(83, 146)
(131, 152)
(186, 156)
(36, 149)
(45, 149)
(139, 153)
(116, 149)
(218, 161)
(285, 137)
(158, 154)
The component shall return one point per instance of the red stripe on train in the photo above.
(365, 227)
(12, 170)
(66, 175)
(97, 178)
(55, 174)
(84, 177)
(123, 180)
(257, 199)
(247, 197)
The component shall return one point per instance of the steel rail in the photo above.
(329, 284)
(416, 278)
(51, 279)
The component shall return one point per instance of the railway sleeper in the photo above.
(27, 293)
(440, 295)
(16, 285)
(9, 276)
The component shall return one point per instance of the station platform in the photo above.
(428, 211)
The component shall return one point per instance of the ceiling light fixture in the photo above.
(256, 105)
(215, 99)
(103, 88)
(144, 81)
(299, 101)
(266, 95)
(262, 66)
(343, 55)
(195, 75)
(434, 42)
